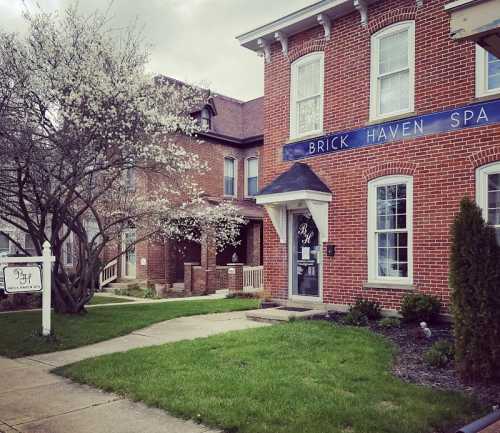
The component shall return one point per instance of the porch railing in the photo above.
(108, 274)
(253, 278)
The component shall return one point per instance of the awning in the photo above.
(299, 187)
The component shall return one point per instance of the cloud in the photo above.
(192, 40)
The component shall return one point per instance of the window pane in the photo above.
(494, 199)
(228, 185)
(494, 216)
(392, 247)
(497, 230)
(494, 182)
(253, 188)
(29, 245)
(4, 243)
(229, 167)
(493, 72)
(308, 115)
(394, 92)
(308, 80)
(393, 52)
(253, 167)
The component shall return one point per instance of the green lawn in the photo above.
(99, 300)
(19, 331)
(303, 377)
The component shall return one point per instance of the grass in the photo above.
(301, 377)
(99, 300)
(19, 335)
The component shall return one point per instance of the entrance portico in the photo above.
(297, 203)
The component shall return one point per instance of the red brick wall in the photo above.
(442, 165)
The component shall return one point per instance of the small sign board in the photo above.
(22, 279)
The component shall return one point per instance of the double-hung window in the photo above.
(488, 194)
(252, 177)
(392, 71)
(306, 107)
(390, 218)
(229, 177)
(487, 73)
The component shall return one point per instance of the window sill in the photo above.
(487, 96)
(388, 285)
(400, 116)
(305, 137)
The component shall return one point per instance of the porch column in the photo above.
(235, 277)
(253, 230)
(208, 262)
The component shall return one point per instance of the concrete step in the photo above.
(178, 287)
(281, 314)
(122, 285)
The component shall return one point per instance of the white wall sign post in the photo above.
(26, 279)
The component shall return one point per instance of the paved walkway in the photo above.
(221, 294)
(34, 400)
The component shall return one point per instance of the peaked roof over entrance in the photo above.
(297, 188)
(299, 177)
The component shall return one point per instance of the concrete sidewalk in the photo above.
(34, 400)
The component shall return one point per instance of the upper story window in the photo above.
(252, 177)
(487, 73)
(390, 228)
(306, 105)
(392, 87)
(488, 194)
(205, 119)
(229, 177)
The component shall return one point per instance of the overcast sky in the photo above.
(192, 40)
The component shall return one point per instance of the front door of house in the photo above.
(305, 257)
(128, 245)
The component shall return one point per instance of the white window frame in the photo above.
(247, 160)
(482, 174)
(235, 162)
(308, 58)
(71, 240)
(373, 277)
(374, 76)
(482, 74)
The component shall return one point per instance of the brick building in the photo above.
(231, 146)
(376, 124)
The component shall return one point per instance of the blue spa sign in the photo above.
(469, 116)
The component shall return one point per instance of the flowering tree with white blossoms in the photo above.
(78, 112)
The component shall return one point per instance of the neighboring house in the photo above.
(377, 124)
(231, 147)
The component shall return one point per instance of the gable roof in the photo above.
(299, 177)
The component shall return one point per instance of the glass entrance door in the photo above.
(305, 256)
(128, 246)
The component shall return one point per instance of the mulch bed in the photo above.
(410, 366)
